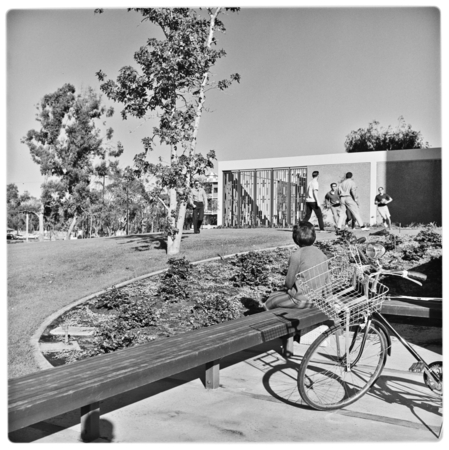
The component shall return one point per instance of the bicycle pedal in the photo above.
(416, 367)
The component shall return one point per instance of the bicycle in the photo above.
(342, 364)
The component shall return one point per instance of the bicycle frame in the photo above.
(380, 318)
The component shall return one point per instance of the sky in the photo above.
(309, 76)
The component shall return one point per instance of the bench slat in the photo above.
(89, 381)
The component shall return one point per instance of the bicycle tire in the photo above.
(323, 381)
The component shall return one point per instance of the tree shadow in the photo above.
(145, 242)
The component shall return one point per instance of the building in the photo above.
(271, 192)
(210, 185)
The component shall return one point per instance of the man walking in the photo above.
(312, 201)
(332, 201)
(199, 201)
(349, 201)
(382, 201)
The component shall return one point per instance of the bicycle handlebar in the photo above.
(416, 276)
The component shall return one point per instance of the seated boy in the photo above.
(306, 257)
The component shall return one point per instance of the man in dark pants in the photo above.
(312, 201)
(199, 201)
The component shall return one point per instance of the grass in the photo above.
(46, 276)
(43, 277)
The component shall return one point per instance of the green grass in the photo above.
(45, 276)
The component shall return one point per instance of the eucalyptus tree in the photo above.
(72, 136)
(174, 77)
(377, 138)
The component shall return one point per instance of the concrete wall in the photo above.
(415, 187)
(409, 176)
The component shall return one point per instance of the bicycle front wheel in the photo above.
(325, 382)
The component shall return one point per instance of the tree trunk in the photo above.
(69, 231)
(174, 245)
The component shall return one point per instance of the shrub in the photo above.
(174, 284)
(254, 269)
(429, 237)
(113, 298)
(214, 308)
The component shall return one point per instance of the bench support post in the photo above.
(90, 422)
(212, 377)
(287, 344)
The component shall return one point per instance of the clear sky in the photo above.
(308, 77)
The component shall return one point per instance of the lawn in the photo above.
(43, 277)
(46, 276)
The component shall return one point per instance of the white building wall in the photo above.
(328, 159)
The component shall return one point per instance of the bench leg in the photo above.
(90, 422)
(213, 374)
(287, 344)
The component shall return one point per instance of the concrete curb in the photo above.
(40, 359)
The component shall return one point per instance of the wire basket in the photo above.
(341, 290)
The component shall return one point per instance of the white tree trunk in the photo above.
(174, 245)
(69, 231)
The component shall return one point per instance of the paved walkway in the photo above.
(258, 401)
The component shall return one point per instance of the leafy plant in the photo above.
(214, 308)
(375, 138)
(113, 298)
(254, 269)
(174, 284)
(429, 237)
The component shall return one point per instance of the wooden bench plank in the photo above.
(85, 383)
(89, 381)
(418, 312)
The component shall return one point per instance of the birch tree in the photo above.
(172, 81)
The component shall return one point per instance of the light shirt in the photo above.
(311, 188)
(348, 187)
(199, 195)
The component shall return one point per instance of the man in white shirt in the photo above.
(198, 199)
(349, 200)
(312, 201)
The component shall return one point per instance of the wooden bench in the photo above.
(84, 384)
(417, 312)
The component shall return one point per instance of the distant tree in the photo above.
(173, 81)
(68, 143)
(376, 138)
(12, 194)
(19, 205)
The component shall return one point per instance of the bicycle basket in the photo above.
(341, 290)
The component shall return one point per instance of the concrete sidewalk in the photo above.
(258, 401)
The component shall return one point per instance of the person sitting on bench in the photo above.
(306, 257)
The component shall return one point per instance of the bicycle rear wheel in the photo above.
(324, 381)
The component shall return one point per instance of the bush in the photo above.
(213, 309)
(112, 299)
(133, 314)
(254, 269)
(429, 237)
(174, 284)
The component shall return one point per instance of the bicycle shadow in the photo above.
(409, 393)
(280, 381)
